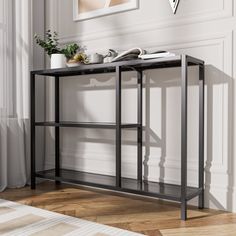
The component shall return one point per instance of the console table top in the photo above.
(165, 62)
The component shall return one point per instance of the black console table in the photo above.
(179, 193)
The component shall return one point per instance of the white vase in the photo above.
(58, 61)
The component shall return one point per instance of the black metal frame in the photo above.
(57, 129)
(118, 127)
(184, 126)
(180, 193)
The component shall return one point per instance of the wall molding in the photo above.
(50, 164)
(130, 159)
(169, 22)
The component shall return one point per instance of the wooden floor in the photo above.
(148, 216)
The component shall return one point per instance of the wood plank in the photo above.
(149, 216)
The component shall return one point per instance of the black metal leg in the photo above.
(201, 135)
(118, 126)
(184, 100)
(140, 129)
(32, 126)
(57, 129)
(184, 210)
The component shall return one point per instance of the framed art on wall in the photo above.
(87, 9)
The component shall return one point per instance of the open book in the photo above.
(138, 53)
(158, 54)
(130, 54)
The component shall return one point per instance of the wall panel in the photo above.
(205, 29)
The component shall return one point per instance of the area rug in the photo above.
(20, 220)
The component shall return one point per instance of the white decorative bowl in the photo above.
(73, 64)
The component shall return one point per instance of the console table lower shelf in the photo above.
(147, 188)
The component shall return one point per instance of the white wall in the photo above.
(204, 29)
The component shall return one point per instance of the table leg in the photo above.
(184, 96)
(140, 128)
(118, 127)
(32, 126)
(57, 129)
(201, 135)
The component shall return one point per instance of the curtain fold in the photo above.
(16, 62)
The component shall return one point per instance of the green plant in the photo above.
(50, 43)
(70, 50)
(51, 46)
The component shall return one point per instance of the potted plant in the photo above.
(73, 54)
(70, 50)
(51, 46)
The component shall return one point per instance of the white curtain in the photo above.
(15, 64)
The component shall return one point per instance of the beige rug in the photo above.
(21, 220)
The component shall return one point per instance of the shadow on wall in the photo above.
(215, 77)
(219, 174)
(217, 84)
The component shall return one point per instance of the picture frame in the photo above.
(93, 9)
